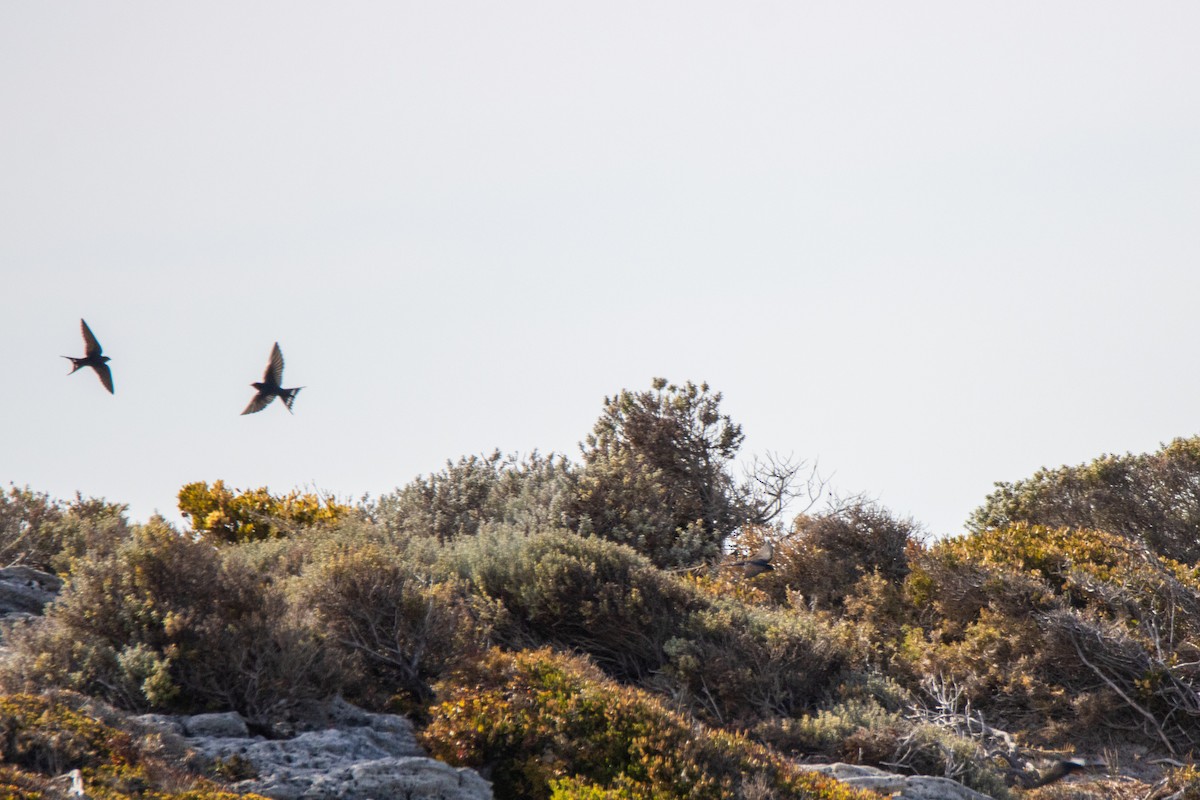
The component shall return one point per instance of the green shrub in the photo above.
(524, 493)
(398, 627)
(656, 474)
(641, 624)
(741, 664)
(576, 592)
(548, 725)
(164, 622)
(46, 534)
(1151, 498)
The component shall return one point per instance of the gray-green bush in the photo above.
(163, 622)
(44, 533)
(527, 493)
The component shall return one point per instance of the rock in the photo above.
(24, 590)
(343, 752)
(909, 787)
(227, 725)
(161, 723)
(414, 777)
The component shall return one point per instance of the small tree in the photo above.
(656, 474)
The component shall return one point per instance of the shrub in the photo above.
(163, 622)
(656, 474)
(576, 592)
(741, 664)
(826, 555)
(640, 624)
(548, 725)
(833, 551)
(1153, 498)
(221, 516)
(46, 534)
(396, 625)
(1071, 625)
(523, 493)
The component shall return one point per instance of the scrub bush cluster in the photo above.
(578, 630)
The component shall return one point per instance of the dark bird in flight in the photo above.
(270, 387)
(93, 357)
(757, 564)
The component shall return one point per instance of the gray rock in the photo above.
(161, 723)
(888, 784)
(24, 590)
(414, 777)
(226, 725)
(344, 753)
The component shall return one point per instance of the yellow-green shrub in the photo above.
(546, 724)
(1077, 627)
(1149, 498)
(221, 515)
(824, 555)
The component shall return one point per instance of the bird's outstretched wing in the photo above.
(260, 401)
(274, 373)
(751, 569)
(92, 345)
(765, 553)
(105, 376)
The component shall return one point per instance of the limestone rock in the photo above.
(227, 725)
(161, 723)
(909, 787)
(25, 591)
(342, 752)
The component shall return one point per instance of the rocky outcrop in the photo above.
(24, 591)
(331, 750)
(909, 787)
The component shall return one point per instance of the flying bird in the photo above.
(270, 387)
(93, 357)
(757, 564)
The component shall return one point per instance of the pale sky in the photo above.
(933, 245)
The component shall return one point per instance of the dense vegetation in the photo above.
(569, 627)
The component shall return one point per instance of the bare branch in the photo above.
(774, 483)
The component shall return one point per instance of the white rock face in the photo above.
(357, 756)
(909, 787)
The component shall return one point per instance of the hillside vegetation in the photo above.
(572, 629)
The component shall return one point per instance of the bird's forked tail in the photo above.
(289, 396)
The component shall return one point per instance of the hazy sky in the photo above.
(932, 244)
